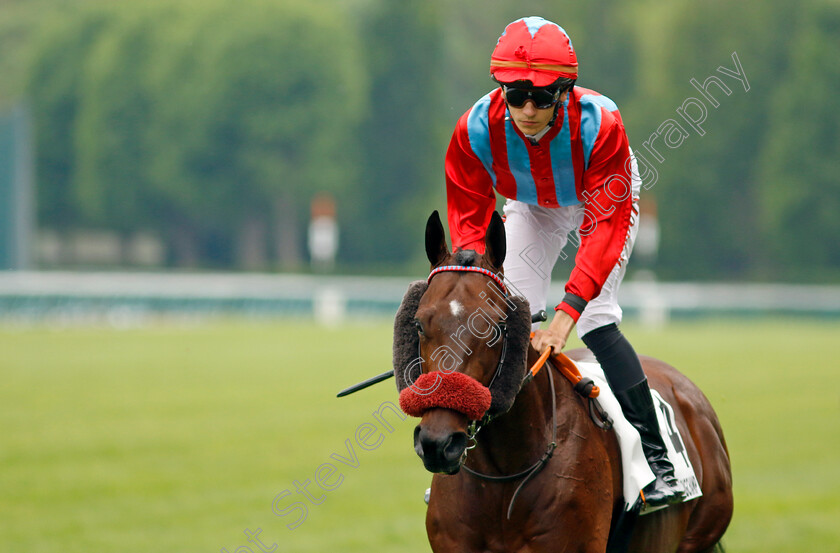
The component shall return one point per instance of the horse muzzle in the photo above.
(441, 439)
(446, 403)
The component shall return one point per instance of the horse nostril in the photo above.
(418, 443)
(455, 446)
(440, 452)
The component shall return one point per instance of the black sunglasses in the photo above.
(543, 98)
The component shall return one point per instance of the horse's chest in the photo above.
(472, 517)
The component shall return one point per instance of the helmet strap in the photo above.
(554, 117)
(568, 93)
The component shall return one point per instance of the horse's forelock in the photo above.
(466, 258)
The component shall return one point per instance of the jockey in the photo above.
(560, 155)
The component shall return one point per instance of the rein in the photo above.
(531, 471)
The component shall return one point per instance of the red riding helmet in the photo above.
(536, 50)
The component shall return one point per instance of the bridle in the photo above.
(531, 471)
(475, 426)
(470, 269)
(501, 324)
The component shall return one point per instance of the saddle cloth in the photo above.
(637, 473)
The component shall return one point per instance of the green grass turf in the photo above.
(172, 438)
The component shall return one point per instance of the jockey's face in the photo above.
(529, 118)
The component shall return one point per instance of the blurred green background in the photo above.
(210, 125)
(203, 130)
(178, 438)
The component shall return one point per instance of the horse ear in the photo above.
(436, 249)
(495, 241)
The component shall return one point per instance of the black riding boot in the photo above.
(640, 412)
(628, 382)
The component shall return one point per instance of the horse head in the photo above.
(460, 348)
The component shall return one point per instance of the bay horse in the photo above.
(558, 476)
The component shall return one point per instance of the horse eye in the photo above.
(418, 325)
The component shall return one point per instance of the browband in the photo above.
(496, 278)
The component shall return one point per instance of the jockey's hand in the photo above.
(556, 334)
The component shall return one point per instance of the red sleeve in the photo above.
(470, 198)
(608, 200)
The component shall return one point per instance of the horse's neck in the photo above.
(519, 437)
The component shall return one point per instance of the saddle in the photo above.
(583, 386)
(585, 375)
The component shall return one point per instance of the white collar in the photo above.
(536, 137)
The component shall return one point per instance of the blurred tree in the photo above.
(17, 23)
(190, 164)
(203, 120)
(707, 188)
(261, 107)
(214, 123)
(402, 158)
(798, 169)
(54, 87)
(111, 180)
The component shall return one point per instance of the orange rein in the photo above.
(565, 365)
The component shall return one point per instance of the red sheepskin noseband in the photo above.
(453, 390)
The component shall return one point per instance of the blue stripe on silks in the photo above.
(600, 100)
(520, 166)
(478, 130)
(590, 121)
(561, 163)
